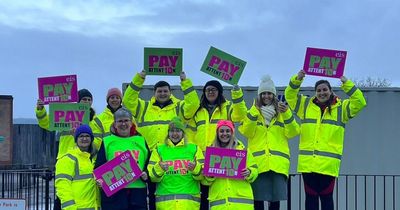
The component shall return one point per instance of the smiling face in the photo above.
(114, 101)
(84, 141)
(323, 92)
(175, 134)
(224, 134)
(266, 98)
(123, 126)
(162, 94)
(211, 93)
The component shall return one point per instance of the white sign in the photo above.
(12, 204)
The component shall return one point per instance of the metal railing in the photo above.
(352, 192)
(35, 186)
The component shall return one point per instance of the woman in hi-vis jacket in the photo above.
(226, 193)
(75, 185)
(268, 126)
(323, 118)
(213, 107)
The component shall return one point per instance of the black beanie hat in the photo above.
(161, 84)
(84, 93)
(214, 83)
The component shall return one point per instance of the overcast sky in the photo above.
(102, 41)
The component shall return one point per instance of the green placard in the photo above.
(68, 116)
(223, 66)
(163, 61)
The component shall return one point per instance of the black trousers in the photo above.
(259, 205)
(151, 187)
(125, 199)
(318, 187)
(57, 204)
(204, 195)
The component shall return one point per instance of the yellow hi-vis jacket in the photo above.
(75, 185)
(66, 141)
(269, 144)
(321, 138)
(152, 120)
(101, 126)
(177, 188)
(233, 193)
(201, 129)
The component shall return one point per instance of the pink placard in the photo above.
(117, 173)
(324, 62)
(227, 163)
(58, 89)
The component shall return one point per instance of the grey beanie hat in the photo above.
(266, 84)
(122, 112)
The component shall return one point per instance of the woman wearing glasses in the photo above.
(75, 186)
(213, 107)
(125, 137)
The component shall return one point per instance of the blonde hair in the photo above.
(233, 142)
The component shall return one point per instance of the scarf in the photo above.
(268, 113)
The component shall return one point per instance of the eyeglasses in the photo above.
(84, 136)
(211, 90)
(123, 121)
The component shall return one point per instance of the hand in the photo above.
(163, 165)
(343, 79)
(99, 182)
(236, 87)
(144, 176)
(245, 172)
(282, 107)
(301, 74)
(182, 76)
(142, 74)
(39, 104)
(192, 165)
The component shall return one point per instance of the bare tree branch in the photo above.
(372, 82)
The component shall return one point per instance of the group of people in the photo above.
(168, 137)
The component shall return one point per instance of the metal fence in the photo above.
(35, 186)
(352, 192)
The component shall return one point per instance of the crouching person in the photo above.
(176, 166)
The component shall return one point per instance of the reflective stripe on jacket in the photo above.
(201, 128)
(74, 182)
(101, 126)
(321, 139)
(233, 193)
(269, 145)
(152, 120)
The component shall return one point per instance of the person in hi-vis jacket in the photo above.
(176, 166)
(268, 126)
(323, 118)
(228, 193)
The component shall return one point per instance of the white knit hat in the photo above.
(266, 85)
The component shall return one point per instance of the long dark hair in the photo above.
(331, 99)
